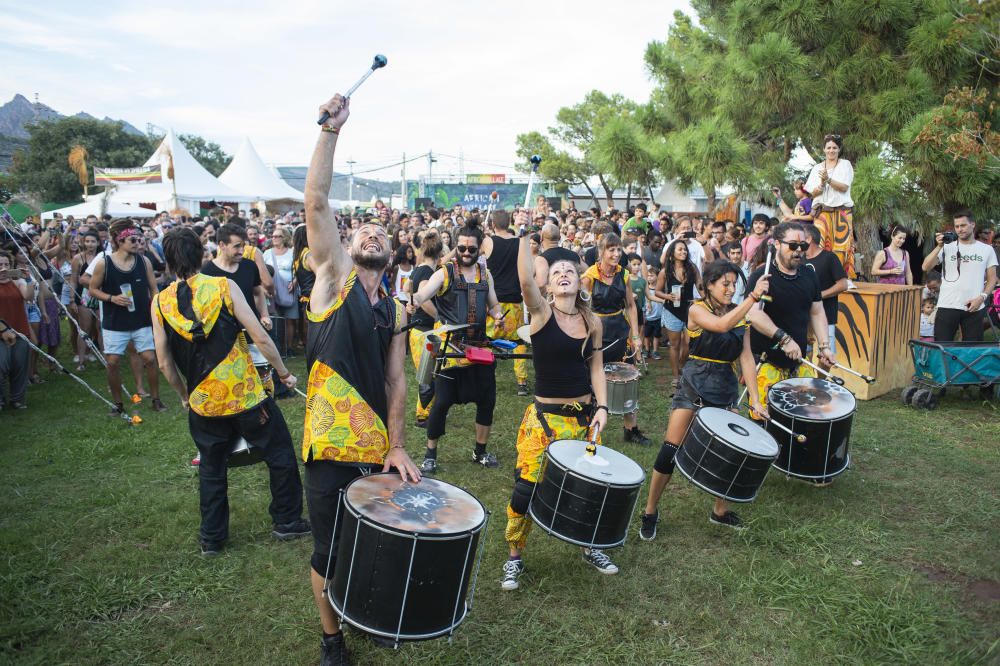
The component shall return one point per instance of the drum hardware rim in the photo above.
(403, 637)
(811, 477)
(715, 493)
(808, 419)
(616, 486)
(576, 542)
(414, 535)
(479, 560)
(708, 431)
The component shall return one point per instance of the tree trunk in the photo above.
(609, 194)
(710, 199)
(593, 195)
(628, 197)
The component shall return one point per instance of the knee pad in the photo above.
(521, 497)
(665, 458)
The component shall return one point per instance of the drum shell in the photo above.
(428, 359)
(719, 469)
(579, 518)
(623, 395)
(372, 566)
(243, 454)
(825, 453)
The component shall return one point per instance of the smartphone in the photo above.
(690, 234)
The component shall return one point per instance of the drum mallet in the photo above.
(836, 380)
(378, 63)
(767, 271)
(488, 218)
(868, 378)
(798, 438)
(535, 161)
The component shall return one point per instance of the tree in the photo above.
(620, 149)
(208, 153)
(43, 169)
(569, 144)
(776, 75)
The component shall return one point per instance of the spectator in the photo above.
(696, 253)
(803, 204)
(891, 264)
(14, 294)
(832, 279)
(638, 222)
(758, 232)
(928, 310)
(651, 250)
(675, 285)
(829, 183)
(286, 298)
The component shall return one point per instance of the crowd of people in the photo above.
(216, 303)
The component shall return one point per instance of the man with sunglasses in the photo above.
(463, 293)
(780, 327)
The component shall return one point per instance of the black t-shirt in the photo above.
(829, 270)
(652, 259)
(420, 319)
(246, 278)
(792, 297)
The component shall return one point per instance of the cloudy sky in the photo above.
(462, 76)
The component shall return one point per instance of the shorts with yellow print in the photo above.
(418, 348)
(768, 376)
(513, 318)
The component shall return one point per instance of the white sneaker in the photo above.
(512, 570)
(597, 559)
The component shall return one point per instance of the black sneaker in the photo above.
(635, 436)
(486, 459)
(333, 651)
(117, 410)
(211, 549)
(522, 389)
(292, 530)
(648, 530)
(729, 519)
(597, 559)
(429, 466)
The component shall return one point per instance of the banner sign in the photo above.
(486, 178)
(144, 174)
(448, 195)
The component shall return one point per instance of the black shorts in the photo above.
(706, 384)
(652, 329)
(324, 481)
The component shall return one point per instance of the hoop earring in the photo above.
(584, 295)
(550, 298)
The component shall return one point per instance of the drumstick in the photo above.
(296, 389)
(836, 380)
(767, 271)
(798, 438)
(868, 378)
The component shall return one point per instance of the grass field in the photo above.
(896, 563)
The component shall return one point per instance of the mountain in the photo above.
(364, 188)
(18, 112)
(126, 126)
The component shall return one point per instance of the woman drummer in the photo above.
(570, 392)
(614, 303)
(719, 336)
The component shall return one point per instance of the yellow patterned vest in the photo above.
(209, 347)
(346, 352)
(249, 252)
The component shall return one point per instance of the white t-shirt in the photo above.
(842, 173)
(280, 262)
(958, 288)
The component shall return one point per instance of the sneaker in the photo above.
(487, 459)
(158, 405)
(292, 530)
(333, 651)
(76, 358)
(211, 549)
(421, 423)
(645, 354)
(648, 530)
(429, 465)
(729, 519)
(512, 570)
(522, 389)
(597, 559)
(655, 356)
(117, 410)
(18, 405)
(196, 461)
(635, 436)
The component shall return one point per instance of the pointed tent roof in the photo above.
(247, 173)
(92, 206)
(193, 181)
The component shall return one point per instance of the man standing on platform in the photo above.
(968, 277)
(832, 279)
(500, 251)
(356, 404)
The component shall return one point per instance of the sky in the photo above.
(462, 77)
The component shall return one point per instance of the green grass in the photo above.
(896, 563)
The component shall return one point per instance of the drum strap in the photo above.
(545, 424)
(581, 411)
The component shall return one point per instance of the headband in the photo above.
(130, 231)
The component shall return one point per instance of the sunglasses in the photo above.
(832, 137)
(802, 245)
(467, 249)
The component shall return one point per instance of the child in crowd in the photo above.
(928, 308)
(653, 312)
(637, 283)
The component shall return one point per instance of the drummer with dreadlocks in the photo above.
(570, 392)
(719, 337)
(614, 303)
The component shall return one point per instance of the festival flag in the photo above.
(144, 174)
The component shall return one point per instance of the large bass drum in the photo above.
(406, 556)
(821, 411)
(726, 454)
(586, 499)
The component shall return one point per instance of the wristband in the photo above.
(331, 130)
(604, 407)
(397, 446)
(778, 335)
(285, 376)
(755, 297)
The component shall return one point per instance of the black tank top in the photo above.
(502, 263)
(116, 317)
(306, 278)
(420, 319)
(561, 369)
(609, 298)
(724, 347)
(679, 310)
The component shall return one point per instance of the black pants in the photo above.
(948, 320)
(324, 481)
(264, 427)
(459, 386)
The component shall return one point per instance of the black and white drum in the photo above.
(726, 454)
(406, 556)
(821, 411)
(264, 369)
(623, 388)
(243, 453)
(586, 499)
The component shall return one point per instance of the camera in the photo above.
(949, 237)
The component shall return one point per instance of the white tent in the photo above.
(92, 206)
(190, 185)
(247, 173)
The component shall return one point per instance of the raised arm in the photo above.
(333, 262)
(537, 307)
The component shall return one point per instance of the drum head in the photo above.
(607, 466)
(739, 432)
(524, 332)
(428, 507)
(811, 398)
(620, 372)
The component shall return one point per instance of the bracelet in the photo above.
(604, 407)
(778, 335)
(755, 297)
(331, 130)
(397, 446)
(284, 376)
